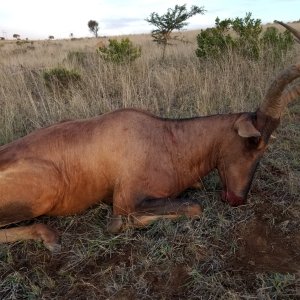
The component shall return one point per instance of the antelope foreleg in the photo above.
(155, 209)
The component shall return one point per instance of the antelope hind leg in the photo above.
(38, 232)
(35, 183)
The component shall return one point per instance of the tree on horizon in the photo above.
(174, 19)
(94, 27)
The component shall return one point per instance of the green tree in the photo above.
(94, 27)
(174, 19)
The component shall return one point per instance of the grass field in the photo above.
(249, 252)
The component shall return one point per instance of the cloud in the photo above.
(121, 22)
(39, 19)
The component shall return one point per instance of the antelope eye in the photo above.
(253, 142)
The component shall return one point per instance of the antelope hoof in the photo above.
(115, 224)
(55, 248)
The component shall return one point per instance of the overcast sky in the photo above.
(41, 18)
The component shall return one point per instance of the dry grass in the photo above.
(251, 252)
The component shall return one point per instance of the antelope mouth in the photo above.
(232, 199)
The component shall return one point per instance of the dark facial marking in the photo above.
(250, 177)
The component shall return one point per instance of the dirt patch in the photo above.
(124, 294)
(265, 248)
(168, 284)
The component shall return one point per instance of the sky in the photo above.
(38, 19)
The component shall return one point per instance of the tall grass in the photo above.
(179, 86)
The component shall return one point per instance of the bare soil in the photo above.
(264, 247)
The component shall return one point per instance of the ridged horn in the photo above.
(290, 94)
(295, 32)
(275, 100)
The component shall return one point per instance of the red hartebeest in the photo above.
(139, 161)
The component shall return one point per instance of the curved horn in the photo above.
(275, 102)
(295, 32)
(290, 94)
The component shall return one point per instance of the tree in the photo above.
(16, 36)
(94, 27)
(174, 19)
(51, 37)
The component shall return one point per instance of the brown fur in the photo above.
(138, 160)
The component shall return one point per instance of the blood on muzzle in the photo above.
(232, 199)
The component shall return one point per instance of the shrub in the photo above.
(61, 77)
(212, 42)
(22, 42)
(120, 51)
(275, 44)
(77, 57)
(279, 42)
(246, 39)
(248, 31)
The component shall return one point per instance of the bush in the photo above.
(22, 42)
(77, 57)
(120, 52)
(212, 42)
(248, 31)
(61, 77)
(279, 42)
(276, 44)
(246, 39)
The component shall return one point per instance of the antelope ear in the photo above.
(245, 128)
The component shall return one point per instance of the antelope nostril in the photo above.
(232, 199)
